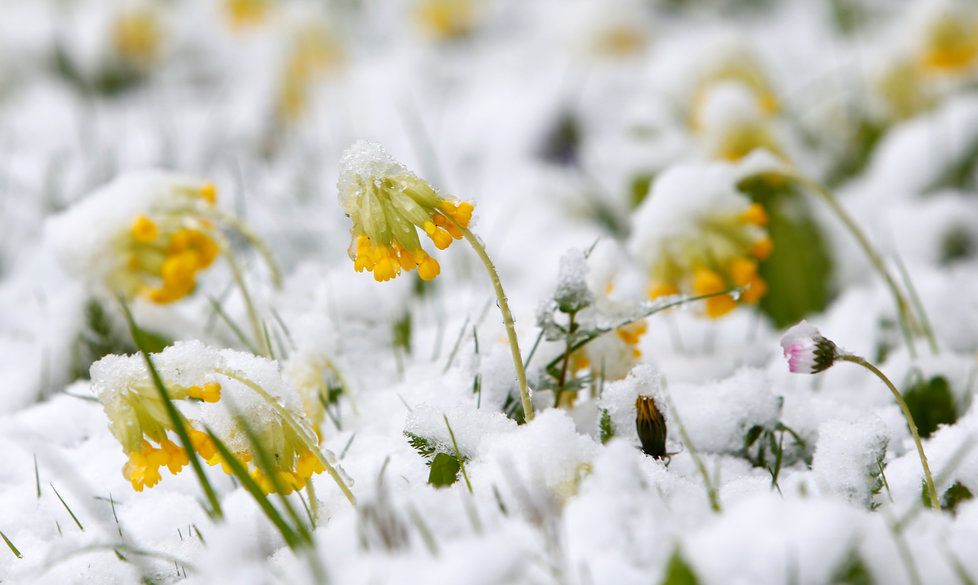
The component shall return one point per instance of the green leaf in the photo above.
(953, 496)
(401, 329)
(932, 404)
(425, 447)
(444, 470)
(641, 187)
(799, 269)
(606, 426)
(678, 572)
(852, 571)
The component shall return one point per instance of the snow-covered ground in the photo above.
(187, 160)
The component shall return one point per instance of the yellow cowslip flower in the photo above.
(246, 13)
(730, 62)
(446, 19)
(697, 235)
(194, 372)
(388, 204)
(136, 36)
(948, 39)
(315, 51)
(146, 234)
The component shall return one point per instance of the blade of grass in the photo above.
(219, 311)
(37, 478)
(249, 484)
(175, 418)
(10, 545)
(65, 504)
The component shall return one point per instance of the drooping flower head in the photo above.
(145, 234)
(695, 234)
(224, 390)
(807, 351)
(388, 204)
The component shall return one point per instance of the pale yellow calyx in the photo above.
(388, 205)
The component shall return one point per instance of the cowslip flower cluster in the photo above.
(246, 13)
(136, 36)
(445, 20)
(695, 234)
(314, 51)
(942, 55)
(388, 204)
(225, 391)
(147, 234)
(730, 104)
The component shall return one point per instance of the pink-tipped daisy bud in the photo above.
(807, 351)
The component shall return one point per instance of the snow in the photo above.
(591, 137)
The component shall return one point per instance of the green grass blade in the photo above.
(10, 545)
(249, 484)
(175, 418)
(65, 504)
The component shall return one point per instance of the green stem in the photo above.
(313, 503)
(929, 480)
(307, 441)
(908, 321)
(571, 328)
(514, 344)
(255, 241)
(256, 328)
(711, 490)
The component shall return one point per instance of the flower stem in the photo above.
(711, 490)
(908, 321)
(514, 344)
(256, 328)
(304, 436)
(928, 479)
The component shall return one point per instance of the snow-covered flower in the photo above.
(946, 36)
(226, 391)
(136, 36)
(696, 234)
(727, 61)
(146, 234)
(246, 13)
(314, 50)
(807, 351)
(446, 19)
(387, 204)
(731, 122)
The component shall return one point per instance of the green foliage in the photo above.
(641, 187)
(951, 497)
(678, 572)
(99, 338)
(852, 571)
(931, 403)
(444, 470)
(799, 269)
(606, 427)
(957, 244)
(401, 330)
(424, 446)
